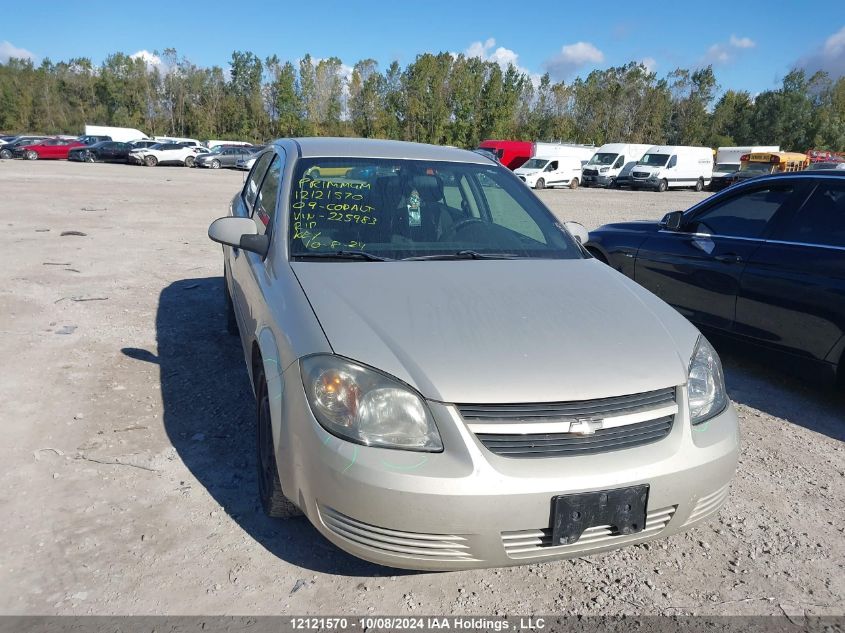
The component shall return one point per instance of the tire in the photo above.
(699, 185)
(151, 161)
(273, 501)
(231, 320)
(89, 158)
(30, 155)
(189, 161)
(573, 184)
(662, 186)
(4, 153)
(215, 164)
(540, 184)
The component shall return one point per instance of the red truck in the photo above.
(511, 153)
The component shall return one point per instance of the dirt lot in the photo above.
(128, 465)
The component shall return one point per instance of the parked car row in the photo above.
(642, 166)
(91, 148)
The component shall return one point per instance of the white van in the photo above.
(551, 171)
(675, 166)
(554, 165)
(728, 162)
(119, 134)
(612, 162)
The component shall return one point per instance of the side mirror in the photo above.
(239, 233)
(578, 231)
(672, 220)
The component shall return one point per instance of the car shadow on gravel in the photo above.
(769, 388)
(209, 416)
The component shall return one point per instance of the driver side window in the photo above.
(744, 215)
(672, 162)
(552, 166)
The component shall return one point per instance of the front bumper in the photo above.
(597, 180)
(468, 508)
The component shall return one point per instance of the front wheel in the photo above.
(699, 184)
(215, 164)
(31, 155)
(4, 153)
(151, 161)
(273, 501)
(573, 184)
(89, 157)
(662, 186)
(189, 161)
(540, 184)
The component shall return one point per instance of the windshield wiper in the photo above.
(463, 254)
(362, 255)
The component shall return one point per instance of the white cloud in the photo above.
(723, 53)
(501, 55)
(571, 58)
(742, 42)
(150, 59)
(829, 58)
(650, 63)
(9, 50)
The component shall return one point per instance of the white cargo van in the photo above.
(612, 162)
(675, 166)
(727, 162)
(119, 134)
(554, 165)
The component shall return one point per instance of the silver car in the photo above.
(445, 378)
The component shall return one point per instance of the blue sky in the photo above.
(751, 44)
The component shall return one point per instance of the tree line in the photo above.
(438, 98)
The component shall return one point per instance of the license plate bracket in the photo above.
(624, 509)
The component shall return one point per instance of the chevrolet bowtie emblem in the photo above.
(584, 426)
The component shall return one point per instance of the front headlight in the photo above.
(604, 170)
(367, 407)
(706, 383)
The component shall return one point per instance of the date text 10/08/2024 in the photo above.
(431, 623)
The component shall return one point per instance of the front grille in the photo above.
(559, 429)
(640, 174)
(529, 543)
(590, 172)
(564, 444)
(420, 546)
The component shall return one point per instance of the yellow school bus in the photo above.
(760, 163)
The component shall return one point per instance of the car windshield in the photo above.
(603, 159)
(535, 163)
(729, 167)
(758, 167)
(402, 209)
(655, 160)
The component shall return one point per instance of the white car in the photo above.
(164, 154)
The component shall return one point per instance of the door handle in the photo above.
(729, 258)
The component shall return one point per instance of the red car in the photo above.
(48, 148)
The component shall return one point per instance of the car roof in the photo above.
(328, 147)
(838, 174)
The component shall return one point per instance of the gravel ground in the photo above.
(128, 485)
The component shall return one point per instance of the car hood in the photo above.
(501, 331)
